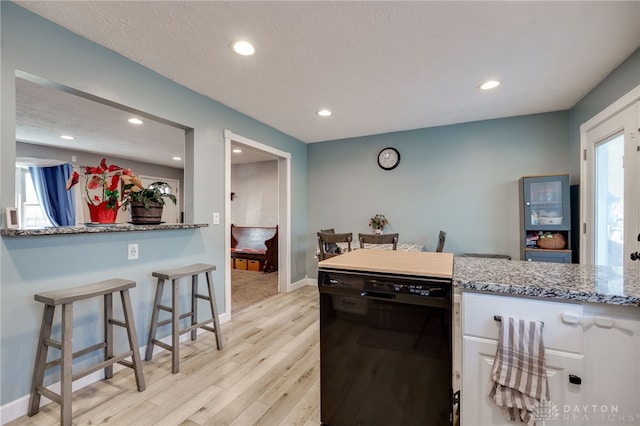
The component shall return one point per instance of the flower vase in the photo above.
(99, 213)
(377, 231)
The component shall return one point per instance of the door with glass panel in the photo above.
(611, 221)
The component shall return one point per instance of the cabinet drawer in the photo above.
(254, 265)
(479, 310)
(241, 263)
(548, 256)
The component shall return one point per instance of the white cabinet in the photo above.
(596, 343)
(611, 378)
(479, 409)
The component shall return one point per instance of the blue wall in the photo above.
(461, 178)
(33, 264)
(619, 82)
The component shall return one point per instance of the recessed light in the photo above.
(324, 113)
(243, 48)
(177, 158)
(135, 121)
(67, 137)
(491, 84)
(237, 150)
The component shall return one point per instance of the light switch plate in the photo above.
(216, 218)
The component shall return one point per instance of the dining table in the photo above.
(400, 246)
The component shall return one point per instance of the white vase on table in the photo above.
(377, 231)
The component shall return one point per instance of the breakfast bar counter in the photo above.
(96, 229)
(561, 281)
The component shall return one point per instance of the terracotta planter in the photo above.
(142, 216)
(99, 213)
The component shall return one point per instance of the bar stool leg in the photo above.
(133, 340)
(175, 327)
(194, 305)
(154, 319)
(41, 359)
(214, 310)
(65, 367)
(108, 334)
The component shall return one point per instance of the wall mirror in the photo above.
(47, 111)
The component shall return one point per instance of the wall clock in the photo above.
(389, 158)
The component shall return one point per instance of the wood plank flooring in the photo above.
(267, 374)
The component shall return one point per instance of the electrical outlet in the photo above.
(216, 218)
(132, 251)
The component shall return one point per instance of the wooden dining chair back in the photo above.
(441, 237)
(378, 239)
(329, 239)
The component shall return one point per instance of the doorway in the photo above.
(610, 173)
(283, 160)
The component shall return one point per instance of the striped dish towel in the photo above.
(519, 375)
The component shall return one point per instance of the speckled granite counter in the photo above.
(580, 283)
(93, 229)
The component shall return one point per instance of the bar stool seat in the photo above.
(66, 298)
(174, 275)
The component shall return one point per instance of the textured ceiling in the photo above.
(379, 66)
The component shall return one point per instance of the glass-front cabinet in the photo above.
(545, 218)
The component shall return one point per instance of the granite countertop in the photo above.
(563, 281)
(93, 229)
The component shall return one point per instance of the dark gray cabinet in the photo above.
(545, 218)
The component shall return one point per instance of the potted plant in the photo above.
(103, 190)
(377, 223)
(109, 187)
(146, 203)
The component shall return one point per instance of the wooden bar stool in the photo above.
(66, 298)
(174, 275)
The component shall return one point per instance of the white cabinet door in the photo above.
(611, 379)
(479, 410)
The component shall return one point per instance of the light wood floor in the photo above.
(267, 374)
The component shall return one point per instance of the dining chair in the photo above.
(325, 239)
(441, 237)
(378, 239)
(330, 247)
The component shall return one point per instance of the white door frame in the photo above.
(586, 181)
(284, 213)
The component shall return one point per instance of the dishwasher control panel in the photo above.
(387, 284)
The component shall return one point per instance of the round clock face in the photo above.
(388, 158)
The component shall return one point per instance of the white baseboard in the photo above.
(19, 407)
(299, 284)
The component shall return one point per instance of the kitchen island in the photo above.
(591, 318)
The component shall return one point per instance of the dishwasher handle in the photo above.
(375, 295)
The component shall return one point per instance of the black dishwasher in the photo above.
(385, 349)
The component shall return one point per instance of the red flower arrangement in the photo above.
(106, 189)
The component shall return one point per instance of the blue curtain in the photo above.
(57, 203)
